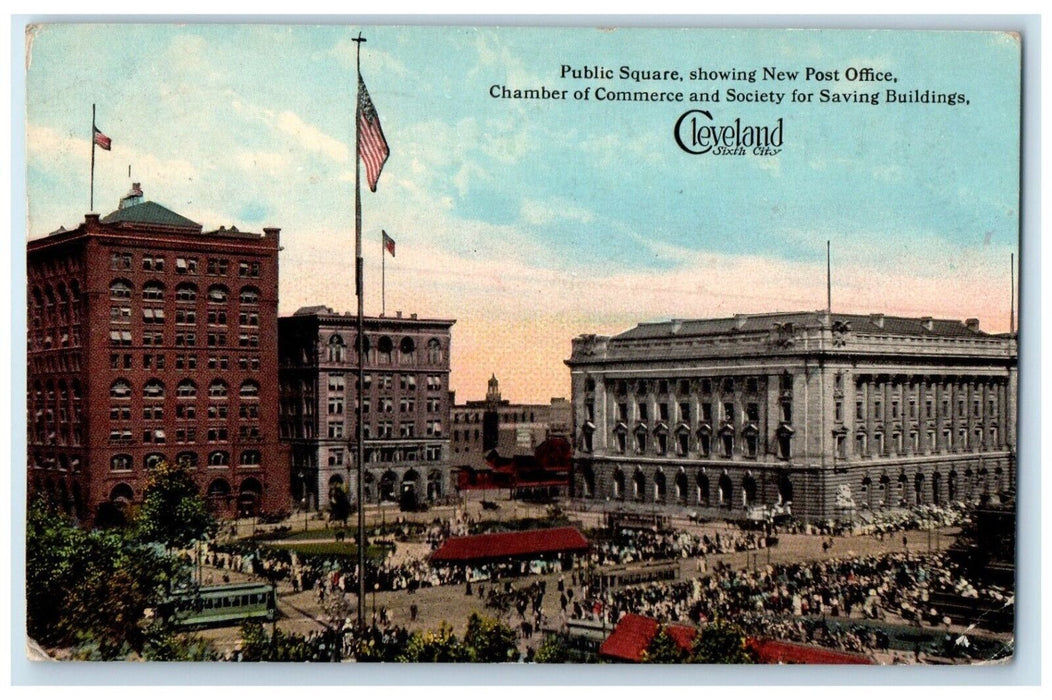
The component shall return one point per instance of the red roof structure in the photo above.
(774, 651)
(511, 545)
(633, 635)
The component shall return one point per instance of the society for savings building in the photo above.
(828, 415)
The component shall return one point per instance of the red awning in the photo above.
(633, 635)
(773, 651)
(504, 545)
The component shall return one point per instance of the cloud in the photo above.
(311, 137)
(537, 212)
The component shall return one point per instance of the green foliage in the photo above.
(664, 650)
(721, 643)
(258, 645)
(553, 650)
(488, 640)
(435, 646)
(163, 644)
(173, 512)
(375, 644)
(90, 589)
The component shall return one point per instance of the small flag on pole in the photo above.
(389, 244)
(372, 145)
(101, 140)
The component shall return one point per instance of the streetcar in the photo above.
(216, 606)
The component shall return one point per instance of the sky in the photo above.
(533, 221)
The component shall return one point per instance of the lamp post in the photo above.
(376, 587)
(303, 500)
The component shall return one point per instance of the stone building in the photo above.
(480, 427)
(150, 339)
(405, 405)
(829, 416)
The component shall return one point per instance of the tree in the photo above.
(721, 643)
(435, 646)
(664, 650)
(173, 512)
(488, 640)
(553, 650)
(90, 589)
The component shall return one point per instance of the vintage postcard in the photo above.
(543, 345)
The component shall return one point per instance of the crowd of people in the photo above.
(625, 546)
(792, 601)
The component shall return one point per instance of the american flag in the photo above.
(371, 143)
(389, 244)
(101, 140)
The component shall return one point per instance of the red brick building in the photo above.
(150, 339)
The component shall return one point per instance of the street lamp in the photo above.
(376, 587)
(303, 500)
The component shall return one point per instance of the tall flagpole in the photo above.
(383, 276)
(359, 287)
(1011, 312)
(829, 282)
(91, 206)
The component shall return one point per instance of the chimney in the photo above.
(972, 324)
(877, 320)
(412, 316)
(928, 323)
(398, 314)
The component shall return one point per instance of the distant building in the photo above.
(496, 424)
(826, 416)
(405, 406)
(149, 340)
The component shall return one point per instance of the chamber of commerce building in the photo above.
(405, 405)
(824, 416)
(152, 340)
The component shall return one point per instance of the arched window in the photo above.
(153, 291)
(218, 389)
(217, 294)
(250, 457)
(151, 460)
(724, 491)
(660, 487)
(120, 289)
(384, 346)
(703, 489)
(407, 347)
(639, 485)
(748, 490)
(619, 484)
(187, 459)
(122, 493)
(219, 488)
(434, 351)
(218, 458)
(337, 348)
(120, 389)
(153, 389)
(121, 463)
(249, 295)
(250, 389)
(681, 487)
(186, 389)
(187, 291)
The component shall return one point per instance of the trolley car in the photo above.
(214, 606)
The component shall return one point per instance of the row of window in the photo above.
(726, 441)
(337, 350)
(963, 439)
(187, 339)
(929, 409)
(216, 458)
(684, 387)
(158, 361)
(186, 389)
(386, 429)
(183, 412)
(728, 413)
(186, 292)
(186, 265)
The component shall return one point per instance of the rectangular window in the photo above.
(622, 412)
(728, 412)
(838, 411)
(642, 411)
(752, 412)
(860, 410)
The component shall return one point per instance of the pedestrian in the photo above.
(413, 610)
